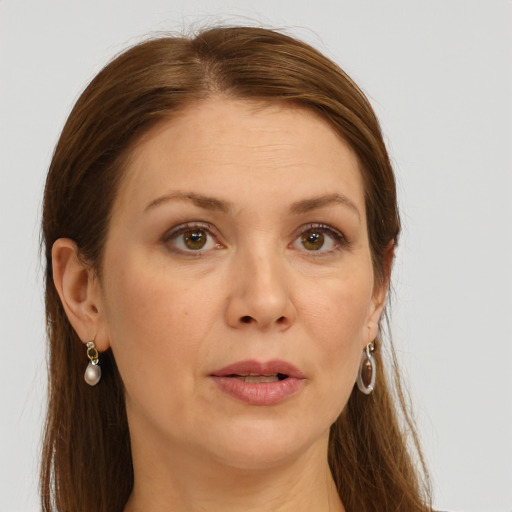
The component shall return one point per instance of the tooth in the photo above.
(261, 378)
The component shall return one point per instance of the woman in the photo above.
(219, 221)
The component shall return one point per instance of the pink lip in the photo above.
(264, 393)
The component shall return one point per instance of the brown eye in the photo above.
(321, 239)
(195, 239)
(312, 240)
(190, 239)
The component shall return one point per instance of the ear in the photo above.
(379, 296)
(79, 291)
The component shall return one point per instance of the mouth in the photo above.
(257, 383)
(255, 371)
(256, 378)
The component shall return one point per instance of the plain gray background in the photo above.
(439, 75)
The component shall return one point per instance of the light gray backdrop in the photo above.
(438, 73)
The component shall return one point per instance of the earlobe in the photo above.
(78, 291)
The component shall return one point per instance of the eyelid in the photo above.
(176, 231)
(336, 235)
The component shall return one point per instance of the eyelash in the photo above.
(337, 236)
(340, 241)
(175, 232)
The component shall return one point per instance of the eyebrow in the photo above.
(206, 202)
(307, 205)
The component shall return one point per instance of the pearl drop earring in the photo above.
(93, 371)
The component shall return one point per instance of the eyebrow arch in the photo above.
(206, 202)
(306, 205)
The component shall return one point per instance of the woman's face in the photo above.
(237, 291)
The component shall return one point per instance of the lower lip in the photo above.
(263, 393)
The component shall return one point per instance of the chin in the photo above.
(263, 446)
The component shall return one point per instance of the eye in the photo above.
(319, 238)
(191, 239)
(195, 239)
(312, 240)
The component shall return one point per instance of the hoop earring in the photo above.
(367, 370)
(92, 373)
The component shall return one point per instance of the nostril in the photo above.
(247, 319)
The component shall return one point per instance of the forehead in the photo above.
(236, 149)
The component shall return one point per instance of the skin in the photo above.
(256, 290)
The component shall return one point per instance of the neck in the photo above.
(180, 482)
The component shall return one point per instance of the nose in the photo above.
(260, 295)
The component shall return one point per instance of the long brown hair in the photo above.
(86, 460)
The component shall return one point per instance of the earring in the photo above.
(93, 371)
(367, 370)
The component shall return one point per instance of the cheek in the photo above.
(337, 310)
(337, 321)
(156, 322)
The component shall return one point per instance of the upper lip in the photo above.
(260, 368)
